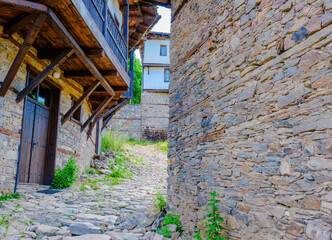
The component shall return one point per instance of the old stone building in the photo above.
(63, 68)
(251, 116)
(149, 120)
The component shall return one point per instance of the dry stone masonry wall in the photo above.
(145, 121)
(71, 142)
(251, 116)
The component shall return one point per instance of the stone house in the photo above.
(149, 120)
(63, 68)
(251, 116)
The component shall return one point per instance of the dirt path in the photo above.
(120, 211)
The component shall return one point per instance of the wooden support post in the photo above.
(92, 125)
(50, 68)
(80, 101)
(97, 111)
(63, 32)
(18, 23)
(29, 39)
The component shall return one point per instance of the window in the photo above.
(77, 114)
(163, 50)
(166, 75)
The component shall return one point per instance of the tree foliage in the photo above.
(138, 72)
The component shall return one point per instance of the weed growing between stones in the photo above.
(5, 197)
(170, 220)
(111, 142)
(4, 222)
(91, 171)
(213, 222)
(160, 203)
(163, 146)
(65, 177)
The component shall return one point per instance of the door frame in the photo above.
(52, 133)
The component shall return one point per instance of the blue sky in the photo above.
(164, 24)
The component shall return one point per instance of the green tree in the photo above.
(138, 72)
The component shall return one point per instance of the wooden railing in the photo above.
(106, 23)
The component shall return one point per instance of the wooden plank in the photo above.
(30, 38)
(166, 5)
(53, 136)
(50, 68)
(80, 74)
(111, 112)
(18, 23)
(24, 5)
(63, 32)
(53, 53)
(97, 111)
(79, 102)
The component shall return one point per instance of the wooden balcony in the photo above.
(103, 18)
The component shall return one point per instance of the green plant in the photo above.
(214, 220)
(65, 177)
(164, 231)
(160, 202)
(4, 221)
(170, 219)
(5, 197)
(198, 235)
(91, 171)
(163, 146)
(111, 142)
(138, 71)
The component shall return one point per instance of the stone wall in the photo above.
(70, 141)
(251, 116)
(145, 121)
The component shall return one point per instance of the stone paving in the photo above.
(123, 211)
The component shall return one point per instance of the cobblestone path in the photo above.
(123, 211)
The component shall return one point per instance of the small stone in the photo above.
(289, 16)
(316, 231)
(284, 124)
(46, 230)
(89, 237)
(82, 228)
(315, 24)
(172, 227)
(294, 229)
(327, 19)
(310, 203)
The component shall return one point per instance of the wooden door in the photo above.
(34, 140)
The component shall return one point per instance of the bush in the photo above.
(67, 176)
(111, 142)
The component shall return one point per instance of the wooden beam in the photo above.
(97, 101)
(23, 5)
(116, 89)
(50, 68)
(166, 5)
(52, 53)
(63, 32)
(82, 74)
(92, 125)
(18, 23)
(97, 111)
(28, 41)
(80, 101)
(52, 3)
